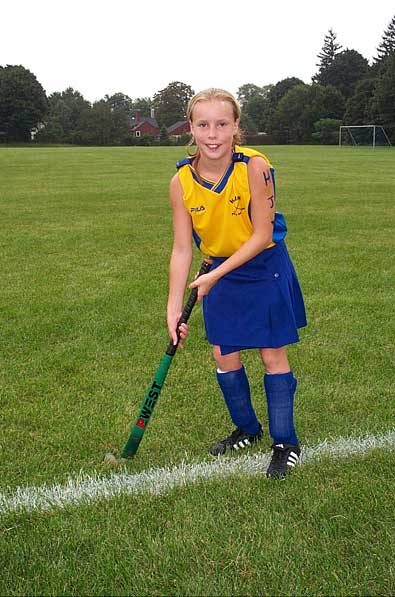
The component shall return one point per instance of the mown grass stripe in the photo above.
(86, 489)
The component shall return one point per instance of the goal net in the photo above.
(366, 135)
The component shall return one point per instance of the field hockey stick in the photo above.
(152, 394)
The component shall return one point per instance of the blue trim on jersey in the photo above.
(225, 178)
(236, 157)
(240, 157)
(217, 187)
(196, 238)
(203, 182)
(280, 227)
(184, 162)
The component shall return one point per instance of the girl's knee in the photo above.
(228, 362)
(275, 360)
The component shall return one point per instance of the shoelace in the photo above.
(279, 456)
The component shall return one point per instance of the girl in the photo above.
(224, 198)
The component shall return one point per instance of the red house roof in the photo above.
(179, 128)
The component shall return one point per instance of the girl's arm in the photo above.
(262, 217)
(180, 260)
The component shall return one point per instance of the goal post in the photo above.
(363, 135)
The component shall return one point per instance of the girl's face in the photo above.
(213, 126)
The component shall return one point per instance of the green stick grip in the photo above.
(204, 269)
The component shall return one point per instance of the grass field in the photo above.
(85, 238)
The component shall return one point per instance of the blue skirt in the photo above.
(257, 305)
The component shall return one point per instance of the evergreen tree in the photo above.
(327, 54)
(387, 45)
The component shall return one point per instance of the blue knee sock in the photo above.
(236, 391)
(280, 389)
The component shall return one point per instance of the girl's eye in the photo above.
(222, 124)
(202, 124)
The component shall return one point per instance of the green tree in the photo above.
(51, 133)
(301, 107)
(275, 94)
(277, 91)
(247, 125)
(23, 103)
(258, 109)
(120, 131)
(65, 109)
(99, 125)
(359, 105)
(327, 54)
(164, 138)
(383, 101)
(120, 101)
(146, 140)
(255, 106)
(171, 103)
(344, 72)
(387, 45)
(330, 102)
(247, 91)
(326, 131)
(143, 105)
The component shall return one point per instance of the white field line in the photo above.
(86, 489)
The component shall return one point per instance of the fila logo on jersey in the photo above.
(197, 209)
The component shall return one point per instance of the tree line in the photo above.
(346, 89)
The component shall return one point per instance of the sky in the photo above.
(101, 47)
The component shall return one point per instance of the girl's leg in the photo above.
(280, 385)
(233, 381)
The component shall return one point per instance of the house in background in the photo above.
(142, 125)
(178, 129)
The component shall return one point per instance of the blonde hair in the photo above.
(213, 93)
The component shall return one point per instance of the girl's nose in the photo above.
(212, 131)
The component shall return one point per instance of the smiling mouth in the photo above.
(212, 145)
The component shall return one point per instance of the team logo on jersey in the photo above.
(235, 201)
(197, 209)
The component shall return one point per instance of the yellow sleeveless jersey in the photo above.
(220, 211)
